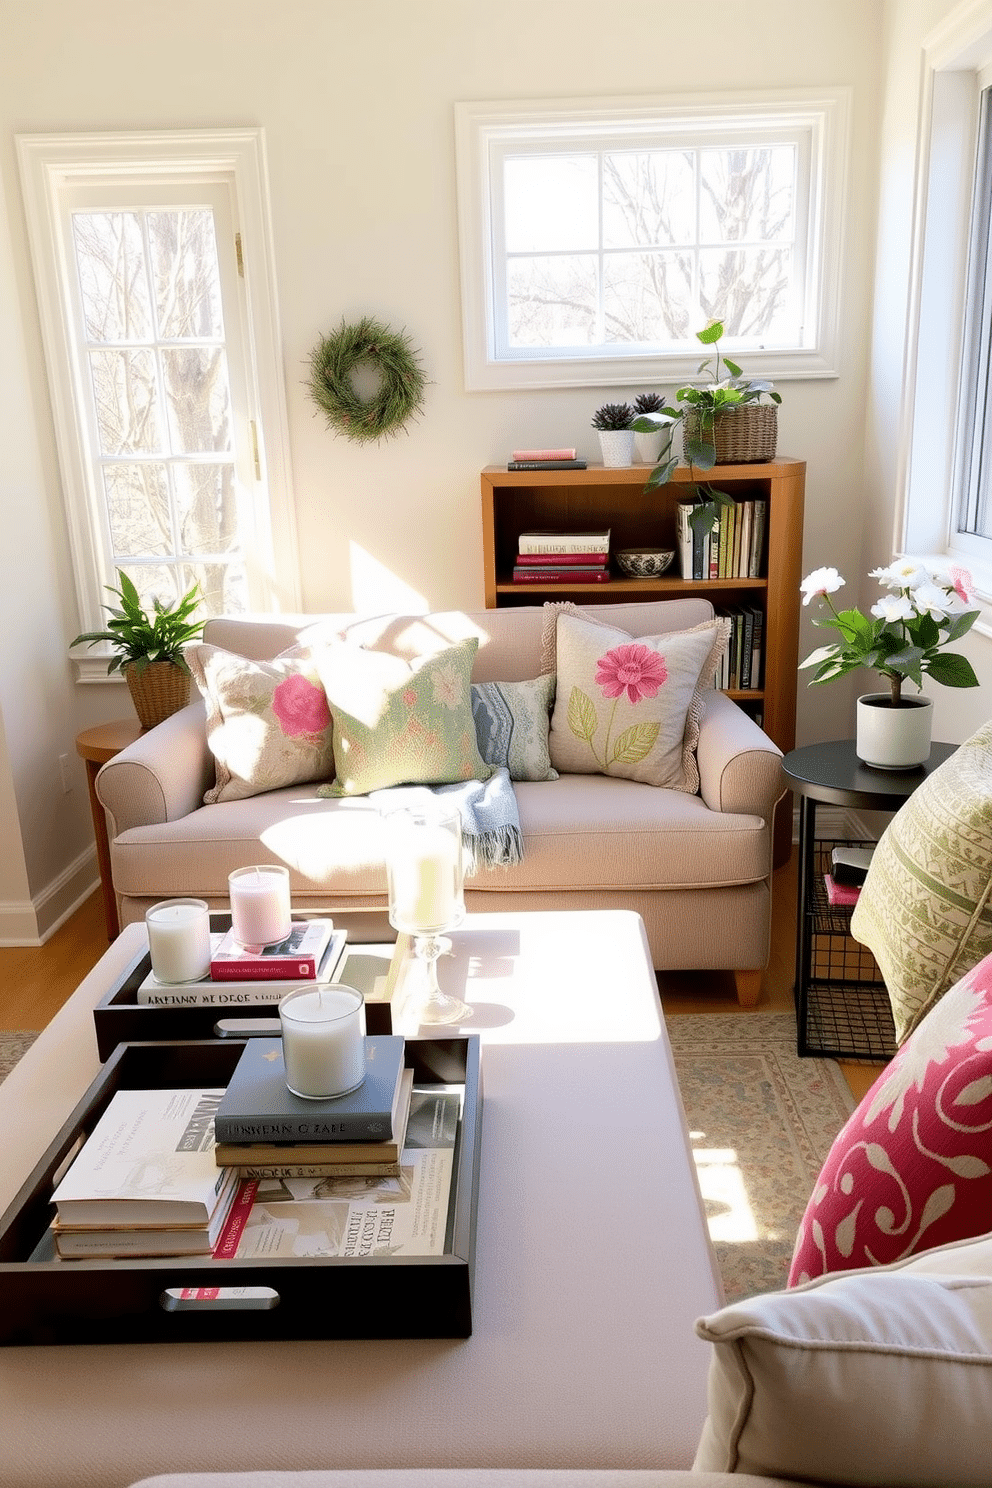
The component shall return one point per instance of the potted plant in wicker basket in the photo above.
(148, 649)
(725, 422)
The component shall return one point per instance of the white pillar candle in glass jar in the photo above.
(179, 940)
(323, 1039)
(261, 911)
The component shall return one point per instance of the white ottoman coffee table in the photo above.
(593, 1259)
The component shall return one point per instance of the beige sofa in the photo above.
(697, 868)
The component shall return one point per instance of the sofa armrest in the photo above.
(740, 769)
(161, 776)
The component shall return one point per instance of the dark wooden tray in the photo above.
(119, 1019)
(129, 1301)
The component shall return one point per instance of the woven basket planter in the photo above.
(744, 435)
(157, 692)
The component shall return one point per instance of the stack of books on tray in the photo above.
(562, 558)
(243, 975)
(145, 1181)
(544, 459)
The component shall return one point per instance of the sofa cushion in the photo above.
(268, 723)
(912, 1168)
(512, 720)
(871, 1377)
(629, 706)
(398, 722)
(925, 910)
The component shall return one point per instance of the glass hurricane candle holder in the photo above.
(426, 873)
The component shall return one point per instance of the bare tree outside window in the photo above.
(150, 289)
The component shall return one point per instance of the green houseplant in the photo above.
(148, 648)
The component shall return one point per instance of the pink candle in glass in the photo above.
(260, 904)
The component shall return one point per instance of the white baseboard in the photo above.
(33, 922)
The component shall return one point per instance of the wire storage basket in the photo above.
(744, 434)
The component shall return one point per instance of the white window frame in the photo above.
(957, 58)
(482, 129)
(228, 162)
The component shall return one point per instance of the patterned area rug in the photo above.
(762, 1120)
(12, 1046)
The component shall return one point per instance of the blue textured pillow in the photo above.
(511, 726)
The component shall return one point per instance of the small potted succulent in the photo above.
(616, 434)
(148, 649)
(649, 442)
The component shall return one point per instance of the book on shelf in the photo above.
(564, 542)
(225, 993)
(756, 553)
(840, 896)
(562, 560)
(257, 1105)
(576, 574)
(756, 647)
(149, 1160)
(298, 956)
(562, 452)
(695, 546)
(320, 1159)
(406, 1213)
(74, 1243)
(546, 465)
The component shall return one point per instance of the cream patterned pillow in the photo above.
(925, 910)
(630, 705)
(400, 722)
(876, 1376)
(511, 724)
(268, 724)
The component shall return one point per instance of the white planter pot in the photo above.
(649, 446)
(893, 738)
(617, 446)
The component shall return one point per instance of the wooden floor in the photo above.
(36, 982)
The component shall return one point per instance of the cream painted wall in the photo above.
(356, 102)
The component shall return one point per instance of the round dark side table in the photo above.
(842, 1008)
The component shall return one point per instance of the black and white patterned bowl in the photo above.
(644, 563)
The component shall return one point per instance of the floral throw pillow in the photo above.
(630, 705)
(268, 723)
(399, 722)
(912, 1169)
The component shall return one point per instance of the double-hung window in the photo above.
(155, 286)
(598, 238)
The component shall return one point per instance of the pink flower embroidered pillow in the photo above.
(912, 1169)
(268, 722)
(630, 705)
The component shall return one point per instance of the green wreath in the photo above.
(401, 387)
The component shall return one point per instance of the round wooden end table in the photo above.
(96, 746)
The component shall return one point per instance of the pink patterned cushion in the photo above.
(912, 1169)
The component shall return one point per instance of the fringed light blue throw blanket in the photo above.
(491, 836)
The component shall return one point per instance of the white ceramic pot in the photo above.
(617, 446)
(648, 447)
(893, 738)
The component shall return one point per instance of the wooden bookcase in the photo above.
(515, 501)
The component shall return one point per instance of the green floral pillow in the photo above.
(630, 705)
(268, 724)
(398, 722)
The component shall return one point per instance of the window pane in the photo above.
(186, 275)
(125, 395)
(224, 586)
(648, 297)
(197, 399)
(747, 195)
(206, 508)
(110, 256)
(750, 290)
(551, 202)
(553, 301)
(138, 509)
(649, 197)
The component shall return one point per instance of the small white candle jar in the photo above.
(323, 1040)
(425, 870)
(261, 912)
(179, 940)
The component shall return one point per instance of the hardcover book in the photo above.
(564, 542)
(545, 464)
(562, 453)
(564, 575)
(149, 1160)
(236, 993)
(257, 1106)
(297, 957)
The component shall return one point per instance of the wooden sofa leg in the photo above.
(748, 987)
